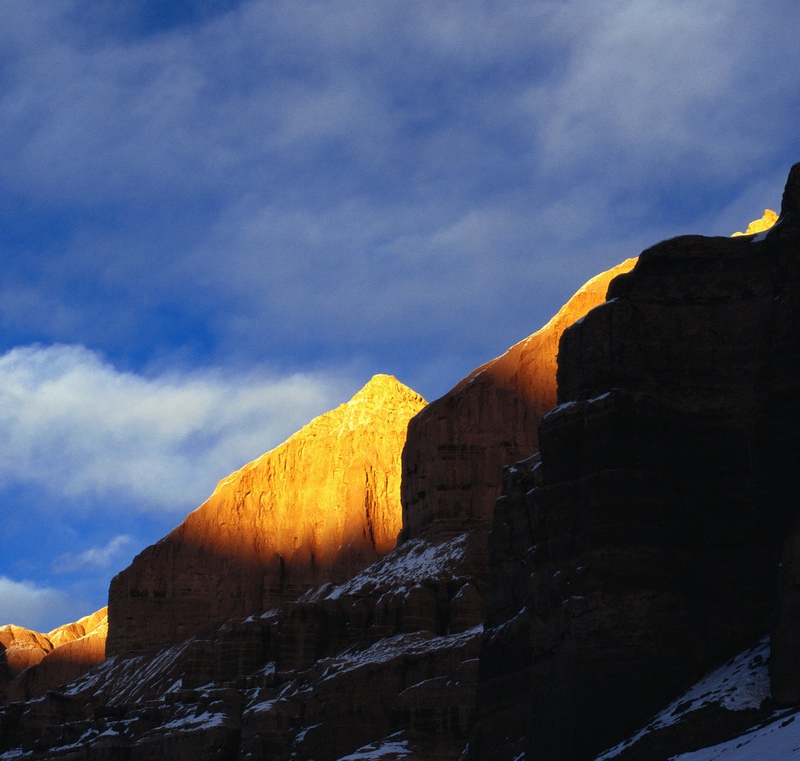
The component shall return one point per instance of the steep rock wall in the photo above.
(644, 545)
(458, 445)
(318, 508)
(391, 655)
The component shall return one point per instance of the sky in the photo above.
(220, 219)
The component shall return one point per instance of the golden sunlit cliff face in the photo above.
(760, 225)
(35, 662)
(318, 508)
(457, 447)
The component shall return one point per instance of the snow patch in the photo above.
(405, 566)
(741, 684)
(388, 749)
(301, 735)
(205, 720)
(561, 408)
(400, 645)
(777, 741)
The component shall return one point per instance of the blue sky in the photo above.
(219, 219)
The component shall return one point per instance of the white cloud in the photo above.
(94, 557)
(27, 604)
(73, 424)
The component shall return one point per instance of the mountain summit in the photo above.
(317, 508)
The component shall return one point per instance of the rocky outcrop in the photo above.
(21, 648)
(760, 225)
(386, 659)
(318, 508)
(644, 544)
(35, 663)
(729, 708)
(457, 446)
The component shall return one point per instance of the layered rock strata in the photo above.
(644, 544)
(457, 446)
(387, 659)
(316, 509)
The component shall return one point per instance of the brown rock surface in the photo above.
(383, 660)
(22, 648)
(39, 662)
(645, 545)
(390, 651)
(458, 445)
(318, 508)
(66, 662)
(92, 624)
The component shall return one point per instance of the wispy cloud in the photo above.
(94, 557)
(74, 425)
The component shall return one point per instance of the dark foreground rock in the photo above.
(388, 659)
(646, 543)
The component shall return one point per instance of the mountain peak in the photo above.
(382, 386)
(759, 225)
(317, 508)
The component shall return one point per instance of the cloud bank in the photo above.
(74, 425)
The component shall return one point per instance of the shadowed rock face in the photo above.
(457, 446)
(388, 657)
(318, 508)
(645, 544)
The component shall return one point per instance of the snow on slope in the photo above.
(392, 748)
(405, 566)
(741, 685)
(779, 740)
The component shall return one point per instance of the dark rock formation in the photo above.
(393, 650)
(645, 545)
(457, 446)
(387, 659)
(641, 546)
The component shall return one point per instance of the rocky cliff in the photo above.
(458, 445)
(316, 509)
(645, 543)
(640, 546)
(33, 663)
